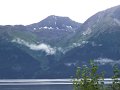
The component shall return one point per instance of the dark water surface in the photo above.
(36, 87)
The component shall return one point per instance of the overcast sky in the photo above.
(31, 11)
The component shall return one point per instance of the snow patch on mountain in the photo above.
(69, 27)
(43, 28)
(76, 44)
(34, 28)
(44, 47)
(87, 32)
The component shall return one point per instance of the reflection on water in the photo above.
(36, 87)
(40, 84)
(36, 84)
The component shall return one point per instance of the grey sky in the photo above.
(31, 11)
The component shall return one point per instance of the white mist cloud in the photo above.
(44, 47)
(104, 61)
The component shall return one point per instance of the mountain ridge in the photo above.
(55, 22)
(59, 45)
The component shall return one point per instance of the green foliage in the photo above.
(88, 79)
(116, 83)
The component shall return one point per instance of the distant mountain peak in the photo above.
(55, 22)
(52, 16)
(57, 17)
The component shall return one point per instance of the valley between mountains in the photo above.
(56, 46)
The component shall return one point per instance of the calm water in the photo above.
(36, 87)
(39, 84)
(36, 84)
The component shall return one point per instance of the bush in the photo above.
(88, 79)
(116, 83)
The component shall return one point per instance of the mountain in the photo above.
(55, 22)
(54, 29)
(99, 41)
(55, 46)
(24, 47)
(15, 63)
